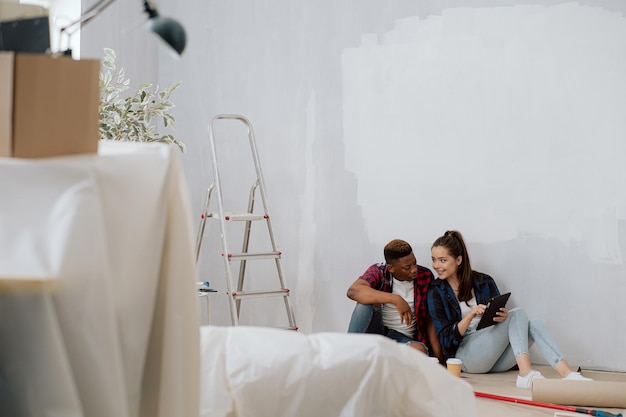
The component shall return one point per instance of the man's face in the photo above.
(405, 268)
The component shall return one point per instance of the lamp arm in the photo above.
(167, 29)
(150, 9)
(89, 14)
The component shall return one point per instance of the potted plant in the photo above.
(133, 118)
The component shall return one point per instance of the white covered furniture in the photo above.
(98, 314)
(260, 372)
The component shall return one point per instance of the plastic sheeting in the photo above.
(114, 333)
(252, 371)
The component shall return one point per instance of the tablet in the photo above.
(493, 306)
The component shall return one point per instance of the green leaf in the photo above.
(134, 117)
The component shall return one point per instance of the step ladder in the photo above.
(237, 294)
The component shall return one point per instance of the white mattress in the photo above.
(254, 371)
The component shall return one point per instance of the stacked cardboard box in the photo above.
(48, 105)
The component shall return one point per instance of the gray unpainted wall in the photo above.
(398, 119)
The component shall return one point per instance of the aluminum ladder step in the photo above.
(239, 216)
(253, 255)
(283, 292)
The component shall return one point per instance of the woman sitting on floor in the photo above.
(456, 301)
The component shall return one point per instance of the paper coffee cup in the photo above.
(433, 360)
(454, 366)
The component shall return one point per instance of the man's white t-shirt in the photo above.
(391, 317)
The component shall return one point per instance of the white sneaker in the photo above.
(575, 376)
(526, 381)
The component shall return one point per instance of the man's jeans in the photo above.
(367, 319)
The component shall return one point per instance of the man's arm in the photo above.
(361, 292)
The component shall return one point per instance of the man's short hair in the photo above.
(396, 249)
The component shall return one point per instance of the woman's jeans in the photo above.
(494, 349)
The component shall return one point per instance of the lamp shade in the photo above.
(170, 31)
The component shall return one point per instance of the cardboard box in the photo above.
(48, 106)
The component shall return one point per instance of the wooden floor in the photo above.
(504, 384)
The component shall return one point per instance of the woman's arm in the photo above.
(489, 289)
(465, 322)
(444, 322)
(433, 340)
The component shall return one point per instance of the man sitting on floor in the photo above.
(400, 287)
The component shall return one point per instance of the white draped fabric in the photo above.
(98, 312)
(252, 372)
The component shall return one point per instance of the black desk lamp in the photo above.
(169, 30)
